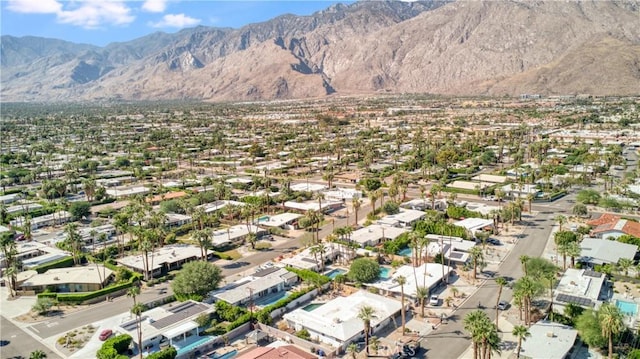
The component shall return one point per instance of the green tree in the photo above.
(477, 258)
(133, 292)
(195, 280)
(364, 270)
(588, 196)
(522, 333)
(43, 305)
(401, 280)
(80, 210)
(37, 354)
(352, 350)
(590, 329)
(611, 323)
(137, 310)
(366, 314)
(580, 210)
(422, 293)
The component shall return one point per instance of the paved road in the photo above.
(450, 341)
(16, 344)
(94, 313)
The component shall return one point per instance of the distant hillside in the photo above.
(457, 48)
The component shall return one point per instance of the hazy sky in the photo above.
(100, 22)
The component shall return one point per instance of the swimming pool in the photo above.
(312, 306)
(272, 299)
(385, 272)
(405, 252)
(628, 308)
(335, 272)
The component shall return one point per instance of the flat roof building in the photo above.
(375, 234)
(163, 260)
(257, 287)
(428, 275)
(603, 251)
(282, 220)
(581, 287)
(64, 280)
(548, 340)
(336, 322)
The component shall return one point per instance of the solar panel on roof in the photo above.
(586, 302)
(590, 273)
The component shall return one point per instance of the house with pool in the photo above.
(171, 326)
(263, 287)
(375, 234)
(428, 275)
(336, 322)
(582, 287)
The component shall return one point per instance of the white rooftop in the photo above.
(376, 232)
(255, 283)
(575, 282)
(426, 275)
(89, 274)
(311, 205)
(468, 185)
(548, 340)
(230, 234)
(280, 219)
(338, 318)
(489, 178)
(405, 216)
(307, 187)
(168, 254)
(217, 205)
(601, 251)
(474, 224)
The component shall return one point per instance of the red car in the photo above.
(105, 334)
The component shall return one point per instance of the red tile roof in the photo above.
(632, 228)
(283, 352)
(604, 219)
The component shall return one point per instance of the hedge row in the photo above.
(60, 263)
(84, 296)
(309, 275)
(114, 347)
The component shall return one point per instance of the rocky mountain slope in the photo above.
(457, 48)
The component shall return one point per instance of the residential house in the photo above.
(549, 340)
(598, 251)
(612, 226)
(375, 234)
(163, 260)
(336, 322)
(582, 287)
(264, 285)
(64, 280)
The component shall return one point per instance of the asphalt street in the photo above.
(15, 343)
(450, 340)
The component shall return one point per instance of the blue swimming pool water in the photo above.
(629, 308)
(312, 306)
(272, 299)
(385, 272)
(335, 272)
(406, 252)
(188, 348)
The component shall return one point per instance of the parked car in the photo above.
(434, 300)
(503, 305)
(105, 334)
(494, 241)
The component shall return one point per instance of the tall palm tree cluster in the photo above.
(484, 334)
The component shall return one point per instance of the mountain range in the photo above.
(493, 48)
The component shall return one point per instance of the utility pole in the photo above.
(250, 306)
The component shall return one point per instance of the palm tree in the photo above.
(561, 221)
(137, 310)
(527, 288)
(422, 293)
(133, 292)
(624, 264)
(475, 323)
(501, 282)
(401, 280)
(37, 354)
(373, 197)
(352, 349)
(476, 258)
(522, 333)
(366, 314)
(523, 260)
(374, 342)
(73, 241)
(611, 322)
(356, 202)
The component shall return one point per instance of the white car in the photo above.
(434, 300)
